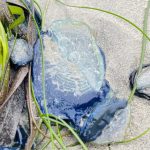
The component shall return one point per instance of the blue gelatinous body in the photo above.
(7, 148)
(75, 84)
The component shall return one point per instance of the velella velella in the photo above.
(143, 82)
(75, 86)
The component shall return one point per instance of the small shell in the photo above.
(143, 82)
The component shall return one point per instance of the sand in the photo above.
(122, 46)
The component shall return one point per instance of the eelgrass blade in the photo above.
(7, 63)
(134, 138)
(44, 13)
(71, 130)
(3, 50)
(4, 67)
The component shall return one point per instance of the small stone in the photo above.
(22, 53)
(143, 82)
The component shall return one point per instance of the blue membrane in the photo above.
(75, 86)
(7, 148)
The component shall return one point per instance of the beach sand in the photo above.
(121, 44)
